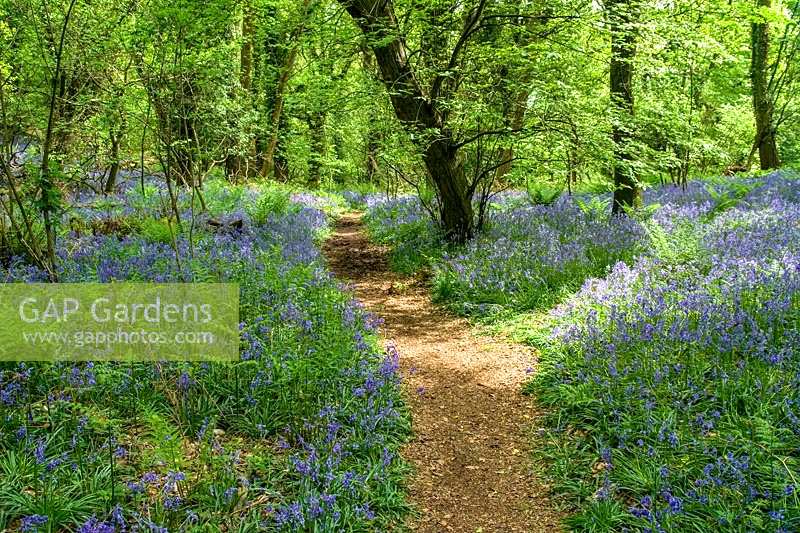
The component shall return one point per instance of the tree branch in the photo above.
(482, 134)
(470, 27)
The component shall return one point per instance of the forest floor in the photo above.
(471, 447)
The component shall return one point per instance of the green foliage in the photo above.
(157, 230)
(272, 201)
(414, 241)
(222, 197)
(594, 206)
(223, 438)
(163, 84)
(544, 195)
(728, 197)
(145, 201)
(682, 244)
(416, 249)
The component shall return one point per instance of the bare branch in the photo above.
(482, 134)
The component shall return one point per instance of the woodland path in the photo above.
(470, 449)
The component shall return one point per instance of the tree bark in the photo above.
(763, 105)
(319, 147)
(246, 52)
(49, 192)
(515, 120)
(373, 136)
(373, 145)
(111, 181)
(456, 210)
(238, 160)
(268, 161)
(622, 16)
(415, 110)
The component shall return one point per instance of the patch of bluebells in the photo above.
(320, 202)
(404, 224)
(356, 200)
(688, 369)
(311, 376)
(386, 213)
(325, 452)
(93, 525)
(32, 523)
(290, 236)
(530, 254)
(525, 256)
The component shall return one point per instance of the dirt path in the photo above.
(470, 449)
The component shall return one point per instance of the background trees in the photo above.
(458, 97)
(623, 18)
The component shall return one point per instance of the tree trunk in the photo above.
(373, 136)
(111, 181)
(337, 173)
(515, 120)
(236, 162)
(49, 192)
(246, 52)
(268, 163)
(763, 106)
(456, 210)
(573, 158)
(268, 160)
(373, 145)
(183, 153)
(417, 112)
(621, 16)
(319, 147)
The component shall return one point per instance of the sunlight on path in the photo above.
(470, 449)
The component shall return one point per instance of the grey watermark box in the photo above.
(119, 322)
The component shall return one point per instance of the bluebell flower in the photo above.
(93, 525)
(365, 511)
(39, 452)
(31, 523)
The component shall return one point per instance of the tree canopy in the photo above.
(460, 98)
